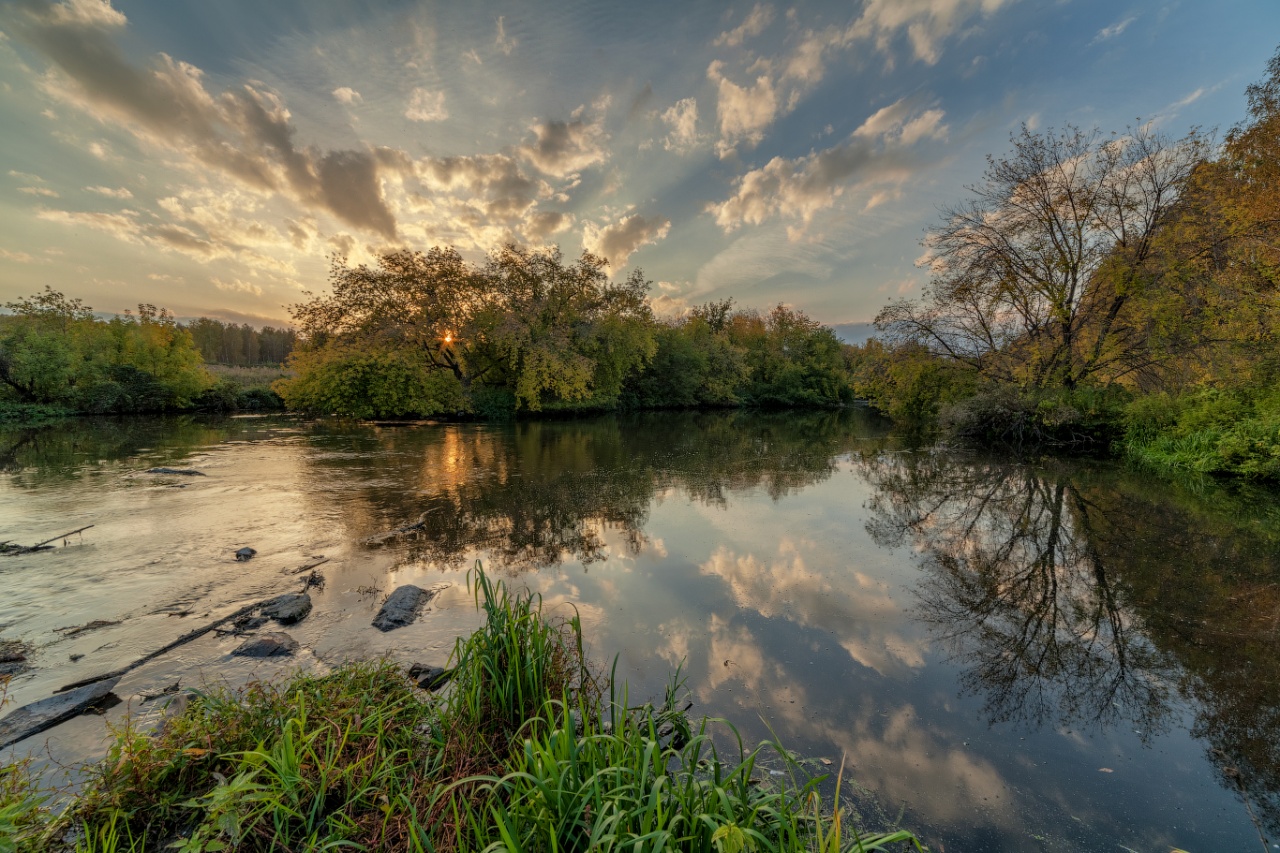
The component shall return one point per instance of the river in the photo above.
(1006, 655)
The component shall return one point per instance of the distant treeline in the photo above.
(56, 356)
(241, 345)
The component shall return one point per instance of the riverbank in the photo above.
(529, 747)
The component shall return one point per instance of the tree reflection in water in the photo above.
(535, 494)
(1075, 594)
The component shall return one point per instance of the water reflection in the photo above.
(537, 494)
(1071, 597)
(921, 613)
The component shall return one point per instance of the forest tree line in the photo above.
(1102, 291)
(57, 356)
(241, 345)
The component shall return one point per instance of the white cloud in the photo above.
(237, 286)
(682, 118)
(618, 241)
(40, 191)
(26, 176)
(1114, 30)
(425, 105)
(798, 188)
(19, 257)
(502, 41)
(743, 112)
(347, 95)
(111, 192)
(754, 24)
(926, 23)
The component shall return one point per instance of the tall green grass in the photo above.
(528, 749)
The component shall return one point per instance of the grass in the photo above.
(528, 749)
(258, 376)
(1233, 433)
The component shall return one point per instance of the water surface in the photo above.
(1008, 656)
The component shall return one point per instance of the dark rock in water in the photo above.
(244, 554)
(180, 472)
(430, 677)
(402, 607)
(34, 718)
(13, 657)
(287, 609)
(269, 645)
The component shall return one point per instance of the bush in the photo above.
(1227, 432)
(1081, 419)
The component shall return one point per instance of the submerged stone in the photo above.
(38, 716)
(181, 472)
(269, 645)
(287, 609)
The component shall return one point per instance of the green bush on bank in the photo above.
(526, 750)
(1232, 432)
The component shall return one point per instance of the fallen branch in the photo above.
(10, 551)
(150, 656)
(379, 538)
(309, 566)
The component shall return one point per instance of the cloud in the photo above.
(237, 286)
(743, 112)
(426, 106)
(926, 23)
(19, 257)
(1114, 30)
(671, 301)
(682, 118)
(26, 176)
(800, 187)
(746, 109)
(244, 132)
(110, 192)
(347, 95)
(40, 191)
(503, 42)
(617, 242)
(561, 148)
(754, 24)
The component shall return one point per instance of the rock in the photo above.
(287, 609)
(179, 472)
(13, 657)
(269, 645)
(244, 554)
(402, 607)
(34, 718)
(430, 677)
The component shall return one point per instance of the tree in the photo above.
(525, 323)
(1034, 277)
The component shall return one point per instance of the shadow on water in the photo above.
(1084, 595)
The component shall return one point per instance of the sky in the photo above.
(211, 157)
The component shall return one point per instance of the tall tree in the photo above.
(525, 322)
(1032, 276)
